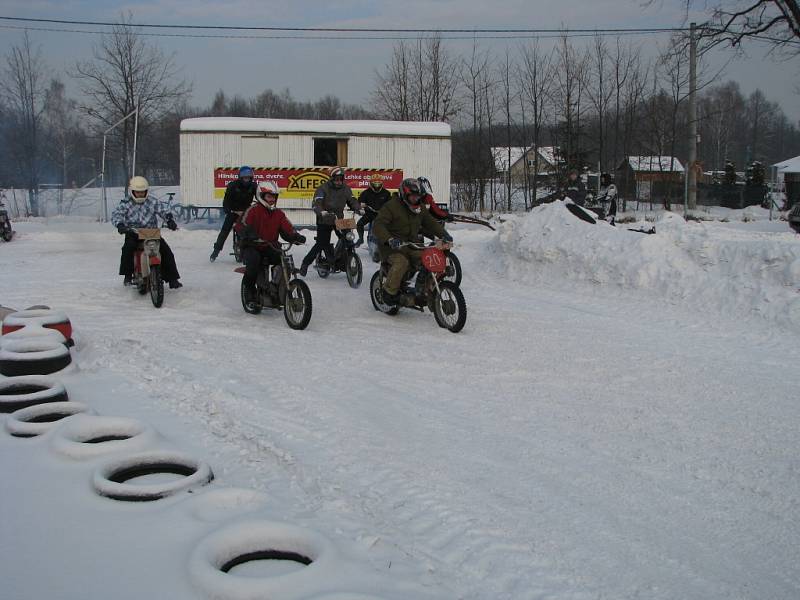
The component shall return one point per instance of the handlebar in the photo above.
(441, 244)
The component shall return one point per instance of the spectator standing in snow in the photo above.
(608, 195)
(239, 195)
(575, 190)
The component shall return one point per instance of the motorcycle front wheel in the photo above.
(449, 307)
(156, 285)
(297, 307)
(252, 309)
(355, 270)
(237, 248)
(453, 269)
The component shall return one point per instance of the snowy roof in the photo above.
(500, 155)
(655, 163)
(389, 128)
(791, 165)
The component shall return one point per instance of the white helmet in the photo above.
(138, 189)
(271, 188)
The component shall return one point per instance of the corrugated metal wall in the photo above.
(202, 152)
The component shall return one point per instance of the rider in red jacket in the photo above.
(264, 222)
(438, 213)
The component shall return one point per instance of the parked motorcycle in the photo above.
(345, 257)
(5, 224)
(147, 265)
(423, 287)
(278, 287)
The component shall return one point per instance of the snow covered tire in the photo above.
(92, 436)
(215, 556)
(21, 392)
(110, 480)
(41, 418)
(43, 317)
(33, 357)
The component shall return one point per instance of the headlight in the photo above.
(349, 236)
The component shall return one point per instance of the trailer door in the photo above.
(259, 151)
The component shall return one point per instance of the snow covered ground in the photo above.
(618, 419)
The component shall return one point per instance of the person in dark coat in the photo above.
(574, 189)
(239, 195)
(402, 220)
(372, 200)
(330, 200)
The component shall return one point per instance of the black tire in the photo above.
(21, 392)
(142, 289)
(452, 261)
(355, 270)
(449, 307)
(33, 357)
(297, 307)
(322, 270)
(376, 295)
(7, 235)
(581, 213)
(156, 286)
(251, 310)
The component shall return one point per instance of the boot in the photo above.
(128, 280)
(214, 255)
(303, 269)
(175, 284)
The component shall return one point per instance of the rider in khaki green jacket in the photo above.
(402, 220)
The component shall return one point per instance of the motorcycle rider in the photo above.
(239, 195)
(140, 210)
(373, 198)
(574, 189)
(439, 213)
(329, 201)
(264, 221)
(402, 220)
(608, 194)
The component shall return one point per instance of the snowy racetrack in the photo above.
(571, 442)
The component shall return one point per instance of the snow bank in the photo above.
(705, 265)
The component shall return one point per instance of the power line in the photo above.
(406, 32)
(328, 37)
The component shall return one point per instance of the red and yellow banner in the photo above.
(300, 184)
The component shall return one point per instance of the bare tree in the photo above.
(63, 133)
(570, 68)
(24, 95)
(127, 70)
(535, 81)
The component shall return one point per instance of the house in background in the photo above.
(650, 178)
(523, 162)
(788, 173)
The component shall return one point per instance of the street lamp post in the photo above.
(133, 113)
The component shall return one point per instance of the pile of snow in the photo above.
(707, 266)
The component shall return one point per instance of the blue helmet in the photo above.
(246, 172)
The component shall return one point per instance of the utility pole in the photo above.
(691, 174)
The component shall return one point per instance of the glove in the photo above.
(171, 224)
(394, 243)
(122, 229)
(299, 239)
(447, 237)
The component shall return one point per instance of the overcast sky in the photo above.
(311, 68)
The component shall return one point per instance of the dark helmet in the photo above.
(246, 172)
(605, 179)
(425, 185)
(411, 193)
(337, 177)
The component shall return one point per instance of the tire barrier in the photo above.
(41, 418)
(35, 332)
(91, 436)
(214, 562)
(47, 318)
(33, 357)
(112, 479)
(21, 392)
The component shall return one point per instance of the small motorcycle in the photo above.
(5, 224)
(425, 286)
(147, 265)
(345, 257)
(278, 287)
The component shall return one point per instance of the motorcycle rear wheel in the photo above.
(376, 295)
(355, 270)
(156, 285)
(252, 309)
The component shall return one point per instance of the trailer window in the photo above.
(330, 152)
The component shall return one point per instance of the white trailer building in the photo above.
(213, 147)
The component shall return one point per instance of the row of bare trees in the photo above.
(598, 102)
